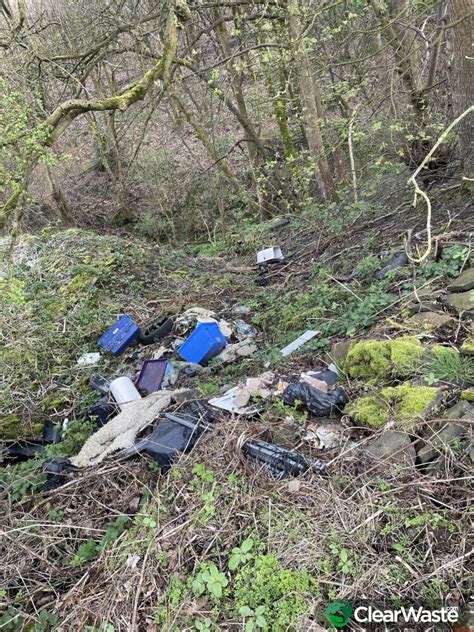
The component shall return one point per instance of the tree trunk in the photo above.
(60, 199)
(304, 75)
(463, 84)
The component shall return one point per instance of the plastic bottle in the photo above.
(123, 391)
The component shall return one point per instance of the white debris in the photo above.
(260, 385)
(301, 340)
(241, 349)
(269, 255)
(312, 381)
(234, 400)
(89, 359)
(324, 437)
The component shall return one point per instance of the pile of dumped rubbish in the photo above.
(150, 409)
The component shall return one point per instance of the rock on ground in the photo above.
(464, 282)
(462, 303)
(393, 446)
(450, 436)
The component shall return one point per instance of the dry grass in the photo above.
(406, 535)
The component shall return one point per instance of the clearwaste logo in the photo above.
(338, 613)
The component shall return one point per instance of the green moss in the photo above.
(371, 411)
(411, 401)
(404, 404)
(405, 353)
(10, 427)
(375, 359)
(368, 359)
(468, 346)
(468, 395)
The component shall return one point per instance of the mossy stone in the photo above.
(468, 395)
(431, 321)
(467, 347)
(382, 359)
(405, 404)
(10, 427)
(464, 282)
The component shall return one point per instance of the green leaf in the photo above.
(261, 621)
(260, 610)
(344, 555)
(245, 611)
(247, 545)
(234, 562)
(197, 587)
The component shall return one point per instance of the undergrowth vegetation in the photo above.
(215, 544)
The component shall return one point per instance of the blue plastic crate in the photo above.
(204, 343)
(120, 336)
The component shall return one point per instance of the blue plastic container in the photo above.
(120, 336)
(204, 343)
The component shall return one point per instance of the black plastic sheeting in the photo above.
(24, 449)
(317, 402)
(102, 411)
(56, 469)
(171, 437)
(51, 432)
(398, 261)
(325, 375)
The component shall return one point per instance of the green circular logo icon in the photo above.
(338, 613)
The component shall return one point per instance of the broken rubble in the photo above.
(461, 410)
(324, 436)
(241, 349)
(89, 359)
(340, 350)
(235, 401)
(425, 300)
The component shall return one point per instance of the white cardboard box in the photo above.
(270, 254)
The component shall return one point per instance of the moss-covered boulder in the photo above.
(467, 347)
(468, 395)
(406, 405)
(384, 359)
(10, 426)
